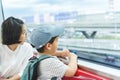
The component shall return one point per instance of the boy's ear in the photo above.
(48, 46)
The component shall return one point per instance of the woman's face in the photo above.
(23, 35)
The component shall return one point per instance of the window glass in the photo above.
(1, 17)
(90, 25)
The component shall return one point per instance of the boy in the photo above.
(45, 39)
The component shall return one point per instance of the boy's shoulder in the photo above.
(51, 60)
(31, 68)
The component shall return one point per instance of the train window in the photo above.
(92, 27)
(1, 16)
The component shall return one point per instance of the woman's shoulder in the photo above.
(1, 45)
(27, 45)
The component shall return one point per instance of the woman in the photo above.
(14, 51)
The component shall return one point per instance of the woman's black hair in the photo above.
(11, 30)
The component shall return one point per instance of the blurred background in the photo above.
(92, 27)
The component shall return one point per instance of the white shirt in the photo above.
(51, 67)
(14, 62)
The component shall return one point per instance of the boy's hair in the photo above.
(43, 34)
(11, 30)
(42, 48)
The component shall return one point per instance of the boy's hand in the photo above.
(65, 53)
